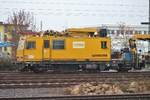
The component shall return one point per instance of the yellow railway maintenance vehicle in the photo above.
(59, 53)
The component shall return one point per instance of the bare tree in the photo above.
(125, 31)
(20, 21)
(122, 28)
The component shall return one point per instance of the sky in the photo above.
(61, 14)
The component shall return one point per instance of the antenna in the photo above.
(41, 25)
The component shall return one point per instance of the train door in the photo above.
(46, 49)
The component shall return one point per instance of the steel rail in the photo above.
(88, 97)
(58, 80)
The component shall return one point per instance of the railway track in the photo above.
(20, 80)
(89, 97)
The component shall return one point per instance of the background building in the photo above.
(5, 36)
(127, 29)
(9, 34)
(120, 35)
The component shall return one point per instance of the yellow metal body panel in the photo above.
(76, 49)
(90, 51)
(31, 54)
(20, 55)
(34, 54)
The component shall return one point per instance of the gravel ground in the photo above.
(29, 92)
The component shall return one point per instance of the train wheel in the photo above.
(122, 70)
(103, 67)
(38, 70)
(25, 69)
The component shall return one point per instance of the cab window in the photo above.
(58, 44)
(30, 45)
(46, 43)
(103, 44)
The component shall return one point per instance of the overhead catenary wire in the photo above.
(86, 6)
(76, 8)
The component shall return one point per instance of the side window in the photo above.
(46, 43)
(58, 44)
(103, 44)
(30, 45)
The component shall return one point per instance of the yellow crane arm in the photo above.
(142, 36)
(82, 30)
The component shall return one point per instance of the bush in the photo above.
(6, 62)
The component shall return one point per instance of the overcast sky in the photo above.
(60, 14)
